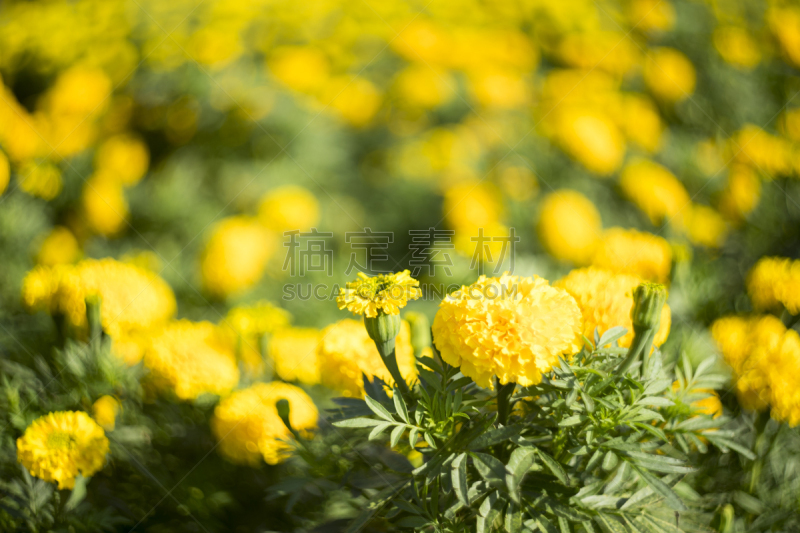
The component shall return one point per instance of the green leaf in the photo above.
(660, 463)
(656, 386)
(610, 461)
(397, 433)
(357, 423)
(727, 443)
(546, 525)
(609, 524)
(588, 402)
(377, 430)
(518, 465)
(373, 507)
(611, 335)
(573, 420)
(416, 522)
(78, 493)
(656, 401)
(513, 518)
(400, 406)
(458, 474)
(413, 436)
(554, 467)
(489, 505)
(658, 486)
(378, 409)
(490, 469)
(495, 436)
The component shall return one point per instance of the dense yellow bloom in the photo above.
(768, 153)
(191, 359)
(634, 252)
(40, 179)
(346, 351)
(785, 25)
(609, 51)
(59, 247)
(640, 122)
(784, 376)
(257, 319)
(569, 226)
(703, 225)
(131, 298)
(500, 89)
(774, 282)
(511, 327)
(235, 255)
(293, 352)
(79, 91)
(104, 204)
(289, 208)
(648, 15)
(129, 346)
(605, 299)
(789, 124)
(591, 137)
(124, 158)
(669, 74)
(355, 100)
(5, 172)
(303, 69)
(737, 46)
(654, 189)
(104, 412)
(384, 294)
(249, 427)
(420, 85)
(471, 205)
(60, 446)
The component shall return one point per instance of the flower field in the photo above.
(370, 266)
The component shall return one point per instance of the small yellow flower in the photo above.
(104, 205)
(303, 69)
(384, 293)
(634, 252)
(640, 122)
(59, 247)
(422, 86)
(569, 226)
(669, 75)
(355, 100)
(591, 137)
(605, 299)
(257, 319)
(293, 352)
(346, 351)
(124, 158)
(651, 15)
(703, 225)
(40, 179)
(472, 205)
(741, 194)
(250, 429)
(510, 327)
(289, 208)
(60, 446)
(654, 189)
(737, 47)
(764, 152)
(784, 22)
(774, 282)
(104, 412)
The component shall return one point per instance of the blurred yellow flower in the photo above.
(518, 182)
(654, 190)
(129, 346)
(634, 252)
(346, 351)
(499, 89)
(774, 282)
(741, 194)
(737, 47)
(382, 294)
(487, 245)
(104, 412)
(471, 205)
(303, 69)
(785, 25)
(235, 255)
(190, 359)
(423, 86)
(789, 123)
(569, 226)
(609, 51)
(122, 157)
(289, 208)
(79, 91)
(590, 137)
(355, 100)
(104, 205)
(257, 319)
(703, 225)
(60, 446)
(293, 352)
(640, 122)
(649, 15)
(59, 247)
(768, 153)
(40, 179)
(669, 74)
(510, 327)
(5, 172)
(605, 299)
(249, 428)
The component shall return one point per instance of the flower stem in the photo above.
(640, 348)
(386, 351)
(504, 393)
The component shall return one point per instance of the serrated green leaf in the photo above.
(490, 468)
(573, 420)
(378, 409)
(554, 467)
(357, 423)
(488, 504)
(658, 486)
(609, 524)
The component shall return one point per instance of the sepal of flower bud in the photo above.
(383, 328)
(648, 300)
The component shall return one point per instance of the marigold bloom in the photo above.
(289, 208)
(384, 293)
(774, 282)
(104, 205)
(249, 427)
(703, 225)
(651, 15)
(640, 122)
(59, 247)
(605, 299)
(257, 319)
(190, 359)
(303, 69)
(346, 351)
(654, 190)
(5, 172)
(669, 74)
(60, 446)
(591, 137)
(40, 179)
(634, 252)
(293, 352)
(737, 47)
(763, 151)
(235, 255)
(355, 100)
(741, 194)
(784, 22)
(419, 85)
(569, 226)
(104, 412)
(471, 205)
(123, 157)
(511, 327)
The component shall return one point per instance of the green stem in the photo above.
(504, 394)
(386, 351)
(93, 318)
(640, 348)
(263, 348)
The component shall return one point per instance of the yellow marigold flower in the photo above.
(303, 69)
(40, 179)
(484, 245)
(289, 208)
(79, 91)
(355, 100)
(784, 378)
(650, 15)
(190, 359)
(129, 346)
(774, 282)
(569, 226)
(60, 446)
(132, 298)
(104, 205)
(472, 205)
(145, 259)
(654, 189)
(498, 88)
(384, 293)
(5, 172)
(703, 225)
(257, 319)
(591, 138)
(789, 124)
(609, 51)
(235, 255)
(742, 192)
(104, 412)
(669, 75)
(422, 86)
(634, 252)
(293, 352)
(737, 47)
(249, 427)
(124, 158)
(346, 351)
(785, 25)
(605, 299)
(641, 123)
(59, 247)
(768, 153)
(511, 327)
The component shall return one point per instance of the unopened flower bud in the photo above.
(284, 410)
(648, 299)
(383, 328)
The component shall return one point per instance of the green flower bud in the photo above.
(420, 331)
(284, 409)
(383, 328)
(648, 299)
